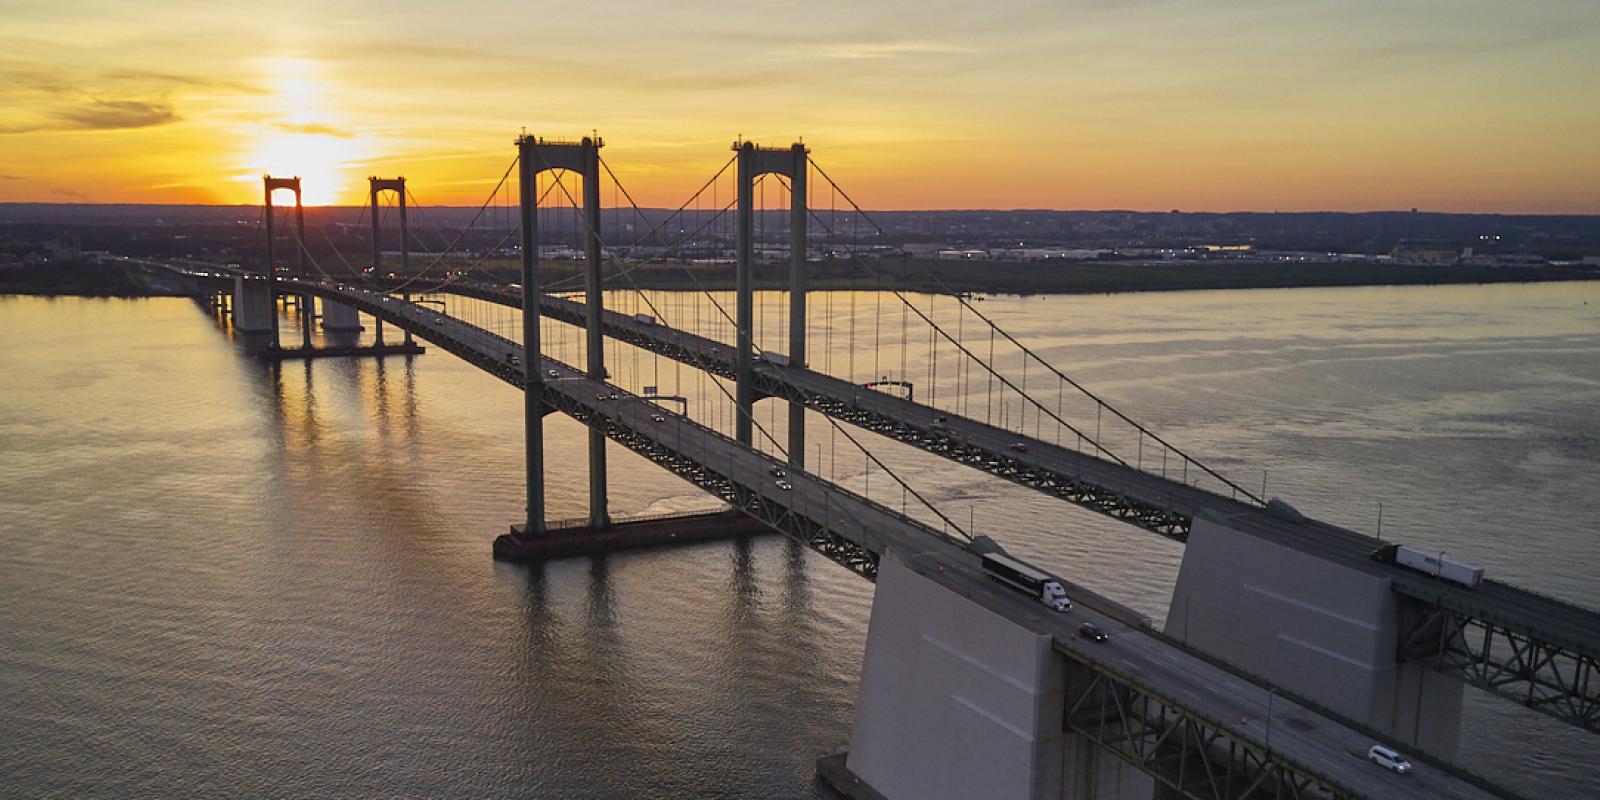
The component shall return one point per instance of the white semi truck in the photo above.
(1028, 578)
(1435, 564)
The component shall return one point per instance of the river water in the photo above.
(218, 579)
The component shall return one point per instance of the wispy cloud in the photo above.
(315, 128)
(167, 79)
(111, 115)
(880, 50)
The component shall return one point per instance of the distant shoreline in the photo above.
(970, 277)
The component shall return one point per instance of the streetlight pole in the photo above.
(1272, 688)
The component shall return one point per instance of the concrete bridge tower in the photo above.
(536, 155)
(347, 318)
(791, 163)
(254, 309)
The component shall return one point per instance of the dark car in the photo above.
(1089, 630)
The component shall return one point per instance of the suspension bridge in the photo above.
(1180, 708)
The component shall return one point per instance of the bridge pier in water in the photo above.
(1324, 630)
(957, 701)
(340, 318)
(253, 310)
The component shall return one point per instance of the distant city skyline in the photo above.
(1472, 106)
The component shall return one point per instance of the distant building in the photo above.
(960, 255)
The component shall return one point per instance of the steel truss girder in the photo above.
(811, 532)
(1183, 750)
(1073, 489)
(1545, 677)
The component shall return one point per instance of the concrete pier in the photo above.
(585, 540)
(339, 317)
(253, 309)
(957, 701)
(1323, 629)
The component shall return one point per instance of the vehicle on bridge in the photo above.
(1028, 578)
(1389, 759)
(774, 358)
(1434, 564)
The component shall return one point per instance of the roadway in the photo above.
(1313, 742)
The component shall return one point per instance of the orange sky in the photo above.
(1447, 105)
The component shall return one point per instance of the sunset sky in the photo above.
(1447, 105)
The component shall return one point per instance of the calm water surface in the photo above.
(218, 579)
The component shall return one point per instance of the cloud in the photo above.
(110, 115)
(163, 79)
(10, 177)
(314, 128)
(101, 115)
(880, 50)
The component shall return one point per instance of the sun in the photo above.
(326, 164)
(304, 134)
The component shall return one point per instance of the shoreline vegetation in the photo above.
(113, 279)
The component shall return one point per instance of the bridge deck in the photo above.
(1311, 744)
(1056, 469)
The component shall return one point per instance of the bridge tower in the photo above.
(789, 162)
(398, 186)
(536, 155)
(255, 310)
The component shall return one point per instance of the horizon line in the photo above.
(1418, 210)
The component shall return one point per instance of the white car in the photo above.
(1389, 759)
(785, 485)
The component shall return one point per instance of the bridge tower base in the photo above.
(958, 702)
(1324, 630)
(339, 317)
(253, 310)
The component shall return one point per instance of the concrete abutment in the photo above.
(956, 701)
(1324, 630)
